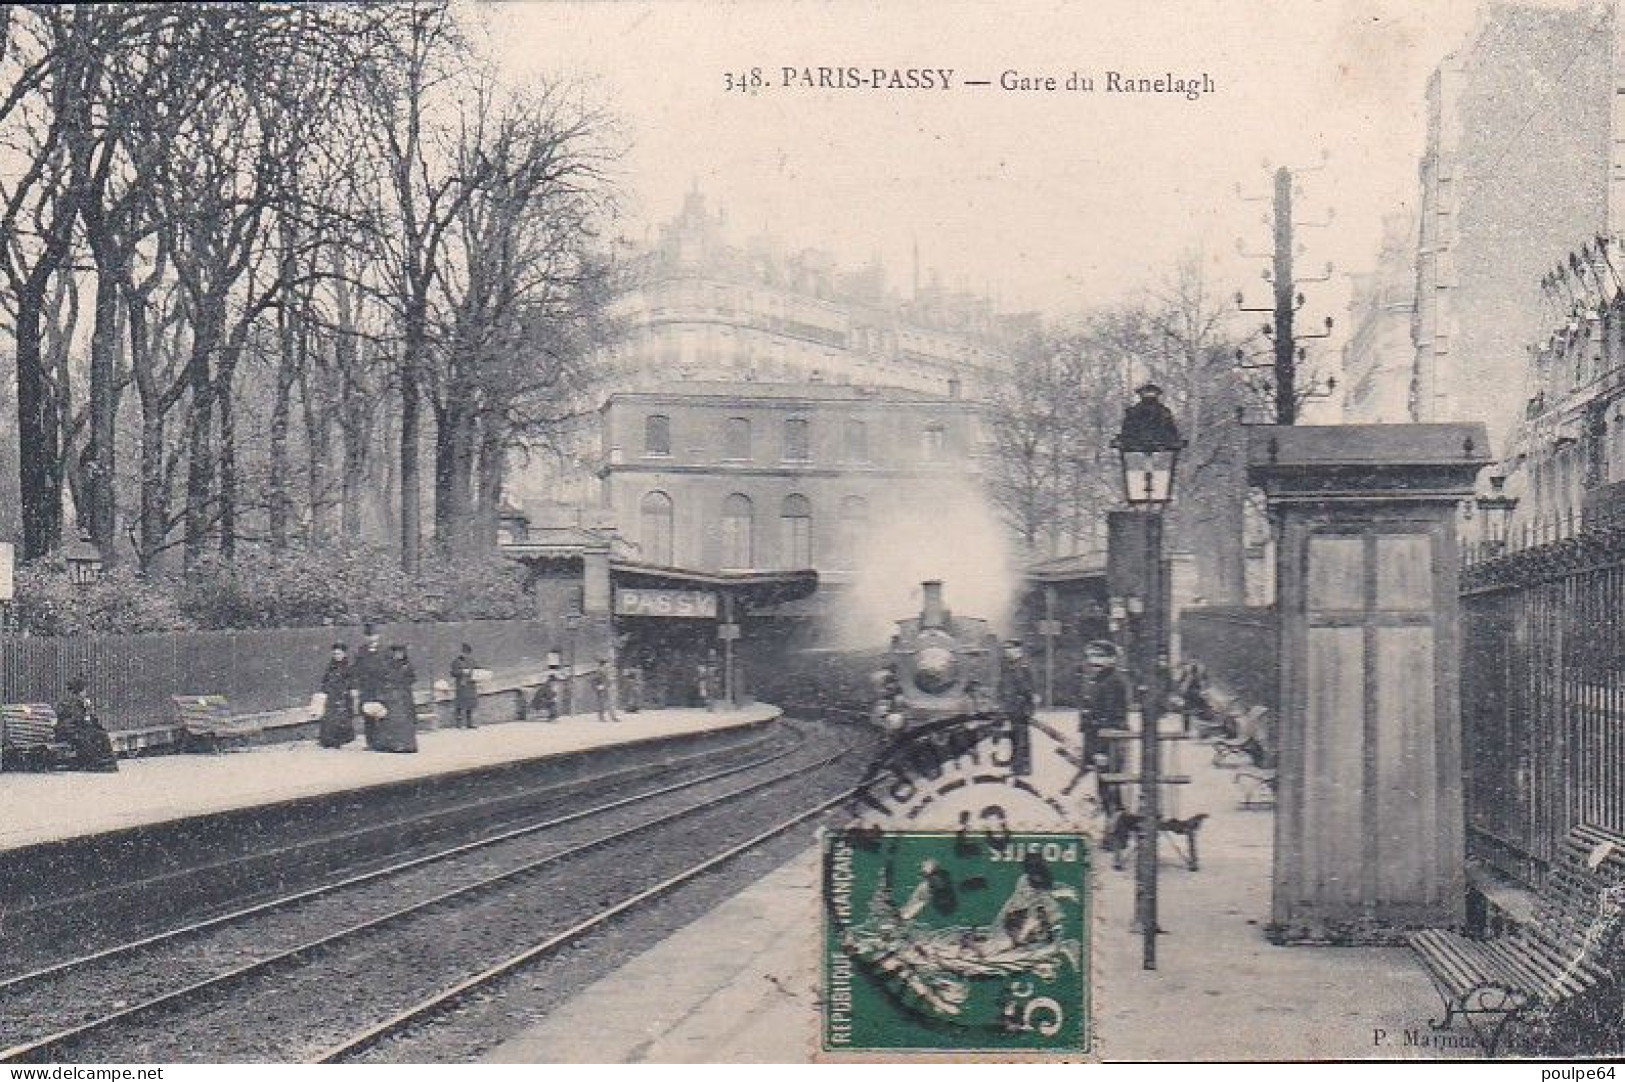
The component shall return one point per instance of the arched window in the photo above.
(795, 532)
(738, 549)
(854, 524)
(796, 447)
(657, 434)
(655, 533)
(736, 439)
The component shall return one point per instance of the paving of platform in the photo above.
(740, 985)
(38, 808)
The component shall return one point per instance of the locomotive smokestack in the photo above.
(931, 612)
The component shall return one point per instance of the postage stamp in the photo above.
(956, 942)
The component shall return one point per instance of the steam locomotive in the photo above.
(940, 666)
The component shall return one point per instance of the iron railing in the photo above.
(1543, 697)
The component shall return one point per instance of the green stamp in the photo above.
(944, 941)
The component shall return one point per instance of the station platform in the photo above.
(741, 984)
(37, 809)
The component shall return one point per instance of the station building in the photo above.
(726, 476)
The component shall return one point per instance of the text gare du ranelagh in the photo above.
(1190, 86)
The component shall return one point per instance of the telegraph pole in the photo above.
(1285, 339)
(1286, 365)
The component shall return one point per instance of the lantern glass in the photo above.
(84, 562)
(1495, 512)
(1148, 444)
(1148, 477)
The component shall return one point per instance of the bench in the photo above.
(28, 738)
(207, 724)
(1248, 746)
(1559, 961)
(1257, 787)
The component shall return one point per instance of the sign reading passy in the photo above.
(689, 604)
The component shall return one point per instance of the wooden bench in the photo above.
(1566, 955)
(207, 723)
(1257, 787)
(28, 738)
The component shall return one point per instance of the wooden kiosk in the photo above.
(1369, 822)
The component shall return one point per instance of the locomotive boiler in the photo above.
(941, 665)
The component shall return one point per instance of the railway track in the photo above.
(544, 796)
(207, 991)
(216, 874)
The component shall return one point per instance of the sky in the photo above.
(1047, 201)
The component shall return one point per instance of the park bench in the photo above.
(207, 723)
(1246, 748)
(1545, 969)
(1257, 786)
(28, 738)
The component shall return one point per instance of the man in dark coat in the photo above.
(466, 693)
(1105, 707)
(1016, 703)
(370, 675)
(603, 689)
(78, 727)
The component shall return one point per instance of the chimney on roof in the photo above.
(953, 387)
(816, 377)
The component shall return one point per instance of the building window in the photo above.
(738, 550)
(736, 439)
(795, 532)
(931, 449)
(795, 440)
(655, 534)
(857, 441)
(657, 434)
(854, 525)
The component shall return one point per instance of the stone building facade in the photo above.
(1378, 357)
(1517, 170)
(722, 476)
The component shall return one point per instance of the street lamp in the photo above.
(1495, 511)
(1149, 444)
(84, 561)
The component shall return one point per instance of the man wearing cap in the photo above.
(1105, 707)
(1016, 703)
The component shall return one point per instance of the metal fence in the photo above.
(133, 676)
(1543, 698)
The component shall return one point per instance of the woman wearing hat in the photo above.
(397, 730)
(78, 726)
(338, 712)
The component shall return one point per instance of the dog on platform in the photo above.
(1124, 828)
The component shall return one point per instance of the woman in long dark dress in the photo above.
(338, 715)
(78, 726)
(398, 728)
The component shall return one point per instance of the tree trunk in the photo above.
(411, 405)
(39, 431)
(492, 468)
(287, 372)
(101, 455)
(228, 440)
(200, 461)
(154, 495)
